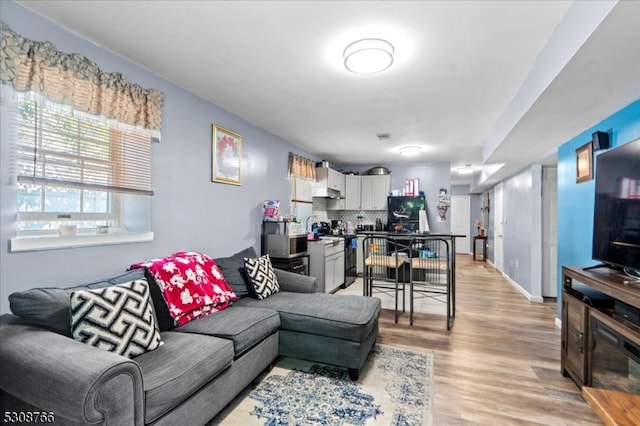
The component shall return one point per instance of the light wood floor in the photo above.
(500, 363)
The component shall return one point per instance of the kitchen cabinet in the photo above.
(375, 190)
(350, 198)
(326, 262)
(352, 192)
(329, 183)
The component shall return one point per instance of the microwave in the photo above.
(281, 245)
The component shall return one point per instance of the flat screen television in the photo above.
(616, 224)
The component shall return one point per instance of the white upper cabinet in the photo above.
(352, 184)
(375, 189)
(329, 183)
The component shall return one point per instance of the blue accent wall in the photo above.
(576, 200)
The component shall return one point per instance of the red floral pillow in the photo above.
(191, 283)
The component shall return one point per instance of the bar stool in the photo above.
(384, 258)
(431, 273)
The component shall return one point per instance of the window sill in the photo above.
(23, 244)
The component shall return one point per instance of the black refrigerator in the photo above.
(405, 211)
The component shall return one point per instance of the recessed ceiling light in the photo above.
(466, 170)
(410, 151)
(368, 56)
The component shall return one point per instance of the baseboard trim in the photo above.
(525, 293)
(559, 323)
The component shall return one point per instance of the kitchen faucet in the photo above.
(313, 216)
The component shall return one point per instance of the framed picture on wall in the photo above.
(584, 163)
(226, 156)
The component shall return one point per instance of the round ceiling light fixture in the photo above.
(410, 151)
(466, 170)
(368, 56)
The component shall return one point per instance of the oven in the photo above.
(350, 270)
(614, 355)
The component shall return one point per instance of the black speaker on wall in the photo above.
(600, 140)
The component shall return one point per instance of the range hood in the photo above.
(324, 192)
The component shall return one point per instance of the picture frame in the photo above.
(584, 163)
(226, 156)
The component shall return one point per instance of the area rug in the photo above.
(395, 388)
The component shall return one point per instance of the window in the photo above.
(77, 169)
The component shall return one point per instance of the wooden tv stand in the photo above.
(575, 315)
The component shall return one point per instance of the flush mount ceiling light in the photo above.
(466, 170)
(368, 56)
(410, 151)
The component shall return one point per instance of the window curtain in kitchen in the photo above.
(74, 80)
(300, 166)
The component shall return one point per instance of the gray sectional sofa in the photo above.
(199, 369)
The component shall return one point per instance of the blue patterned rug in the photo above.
(395, 388)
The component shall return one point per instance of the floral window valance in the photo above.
(74, 80)
(300, 166)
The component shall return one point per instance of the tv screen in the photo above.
(616, 225)
(405, 211)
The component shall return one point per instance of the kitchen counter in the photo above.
(410, 234)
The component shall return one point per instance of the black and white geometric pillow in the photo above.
(261, 276)
(118, 318)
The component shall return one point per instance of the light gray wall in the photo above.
(433, 176)
(523, 230)
(189, 212)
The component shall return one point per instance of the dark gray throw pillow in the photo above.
(232, 269)
(49, 307)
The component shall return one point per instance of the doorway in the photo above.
(461, 221)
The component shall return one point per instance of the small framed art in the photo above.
(226, 150)
(584, 163)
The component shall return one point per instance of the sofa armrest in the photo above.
(296, 283)
(71, 379)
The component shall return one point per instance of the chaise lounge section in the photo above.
(200, 367)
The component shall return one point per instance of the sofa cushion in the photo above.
(117, 318)
(233, 270)
(246, 327)
(177, 369)
(263, 280)
(49, 307)
(191, 283)
(339, 316)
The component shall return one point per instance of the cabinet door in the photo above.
(375, 190)
(336, 180)
(334, 272)
(329, 274)
(381, 189)
(574, 337)
(352, 192)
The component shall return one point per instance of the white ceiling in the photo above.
(472, 82)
